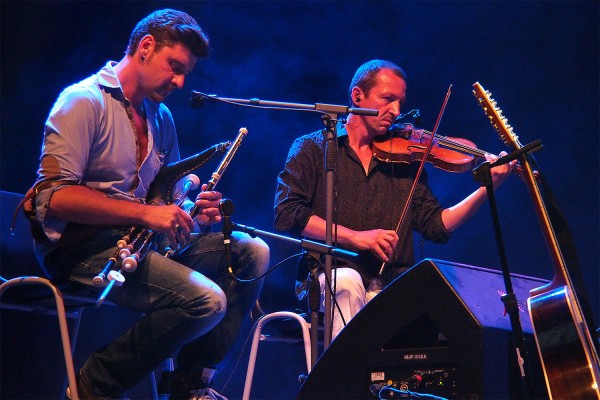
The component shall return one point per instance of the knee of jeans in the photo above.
(261, 253)
(209, 304)
(255, 251)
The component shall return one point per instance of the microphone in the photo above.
(198, 99)
(226, 208)
(415, 113)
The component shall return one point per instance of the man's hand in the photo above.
(380, 242)
(172, 221)
(208, 207)
(501, 172)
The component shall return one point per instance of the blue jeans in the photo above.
(191, 303)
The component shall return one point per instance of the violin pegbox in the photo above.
(494, 113)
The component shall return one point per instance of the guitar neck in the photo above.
(561, 275)
(571, 364)
(500, 123)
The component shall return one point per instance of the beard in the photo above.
(159, 95)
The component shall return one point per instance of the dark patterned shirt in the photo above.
(362, 202)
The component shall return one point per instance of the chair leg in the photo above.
(62, 322)
(168, 366)
(76, 316)
(256, 339)
(153, 390)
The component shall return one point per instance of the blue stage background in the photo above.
(540, 60)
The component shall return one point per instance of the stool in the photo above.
(16, 251)
(60, 311)
(58, 308)
(258, 337)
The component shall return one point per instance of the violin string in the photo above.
(456, 145)
(464, 148)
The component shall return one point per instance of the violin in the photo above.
(403, 143)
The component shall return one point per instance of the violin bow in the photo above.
(420, 170)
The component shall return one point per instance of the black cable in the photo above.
(230, 270)
(335, 302)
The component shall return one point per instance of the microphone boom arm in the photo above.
(307, 245)
(198, 99)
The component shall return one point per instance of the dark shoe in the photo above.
(177, 385)
(85, 393)
(184, 385)
(206, 394)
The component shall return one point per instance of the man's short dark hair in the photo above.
(365, 75)
(170, 27)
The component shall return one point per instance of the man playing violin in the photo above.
(105, 140)
(370, 194)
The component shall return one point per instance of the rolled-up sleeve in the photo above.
(68, 134)
(427, 215)
(52, 227)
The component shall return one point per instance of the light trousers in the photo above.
(350, 295)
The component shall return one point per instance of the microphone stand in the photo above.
(330, 151)
(483, 174)
(330, 111)
(226, 208)
(311, 250)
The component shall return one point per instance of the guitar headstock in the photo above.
(498, 121)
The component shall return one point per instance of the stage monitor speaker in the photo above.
(439, 329)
